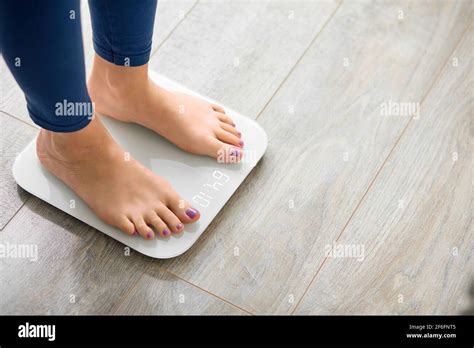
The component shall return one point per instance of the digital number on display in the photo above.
(205, 196)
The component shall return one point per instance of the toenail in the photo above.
(191, 213)
(241, 143)
(233, 124)
(239, 134)
(179, 226)
(148, 235)
(166, 232)
(135, 233)
(235, 152)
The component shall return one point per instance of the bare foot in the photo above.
(119, 190)
(192, 124)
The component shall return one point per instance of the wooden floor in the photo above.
(340, 173)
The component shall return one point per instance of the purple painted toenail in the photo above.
(233, 124)
(191, 213)
(241, 143)
(239, 134)
(235, 152)
(135, 233)
(179, 226)
(148, 235)
(166, 232)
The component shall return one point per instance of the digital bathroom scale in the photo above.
(200, 180)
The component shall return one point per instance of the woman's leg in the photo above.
(120, 88)
(41, 43)
(123, 30)
(47, 63)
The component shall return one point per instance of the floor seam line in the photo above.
(16, 212)
(208, 292)
(18, 119)
(164, 270)
(442, 68)
(173, 30)
(313, 40)
(127, 294)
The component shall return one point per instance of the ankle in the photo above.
(73, 145)
(117, 80)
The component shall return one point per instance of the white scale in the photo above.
(206, 184)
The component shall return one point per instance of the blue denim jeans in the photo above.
(41, 43)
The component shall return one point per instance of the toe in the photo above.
(230, 129)
(126, 225)
(224, 153)
(174, 224)
(225, 118)
(218, 108)
(143, 229)
(159, 226)
(183, 210)
(229, 138)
